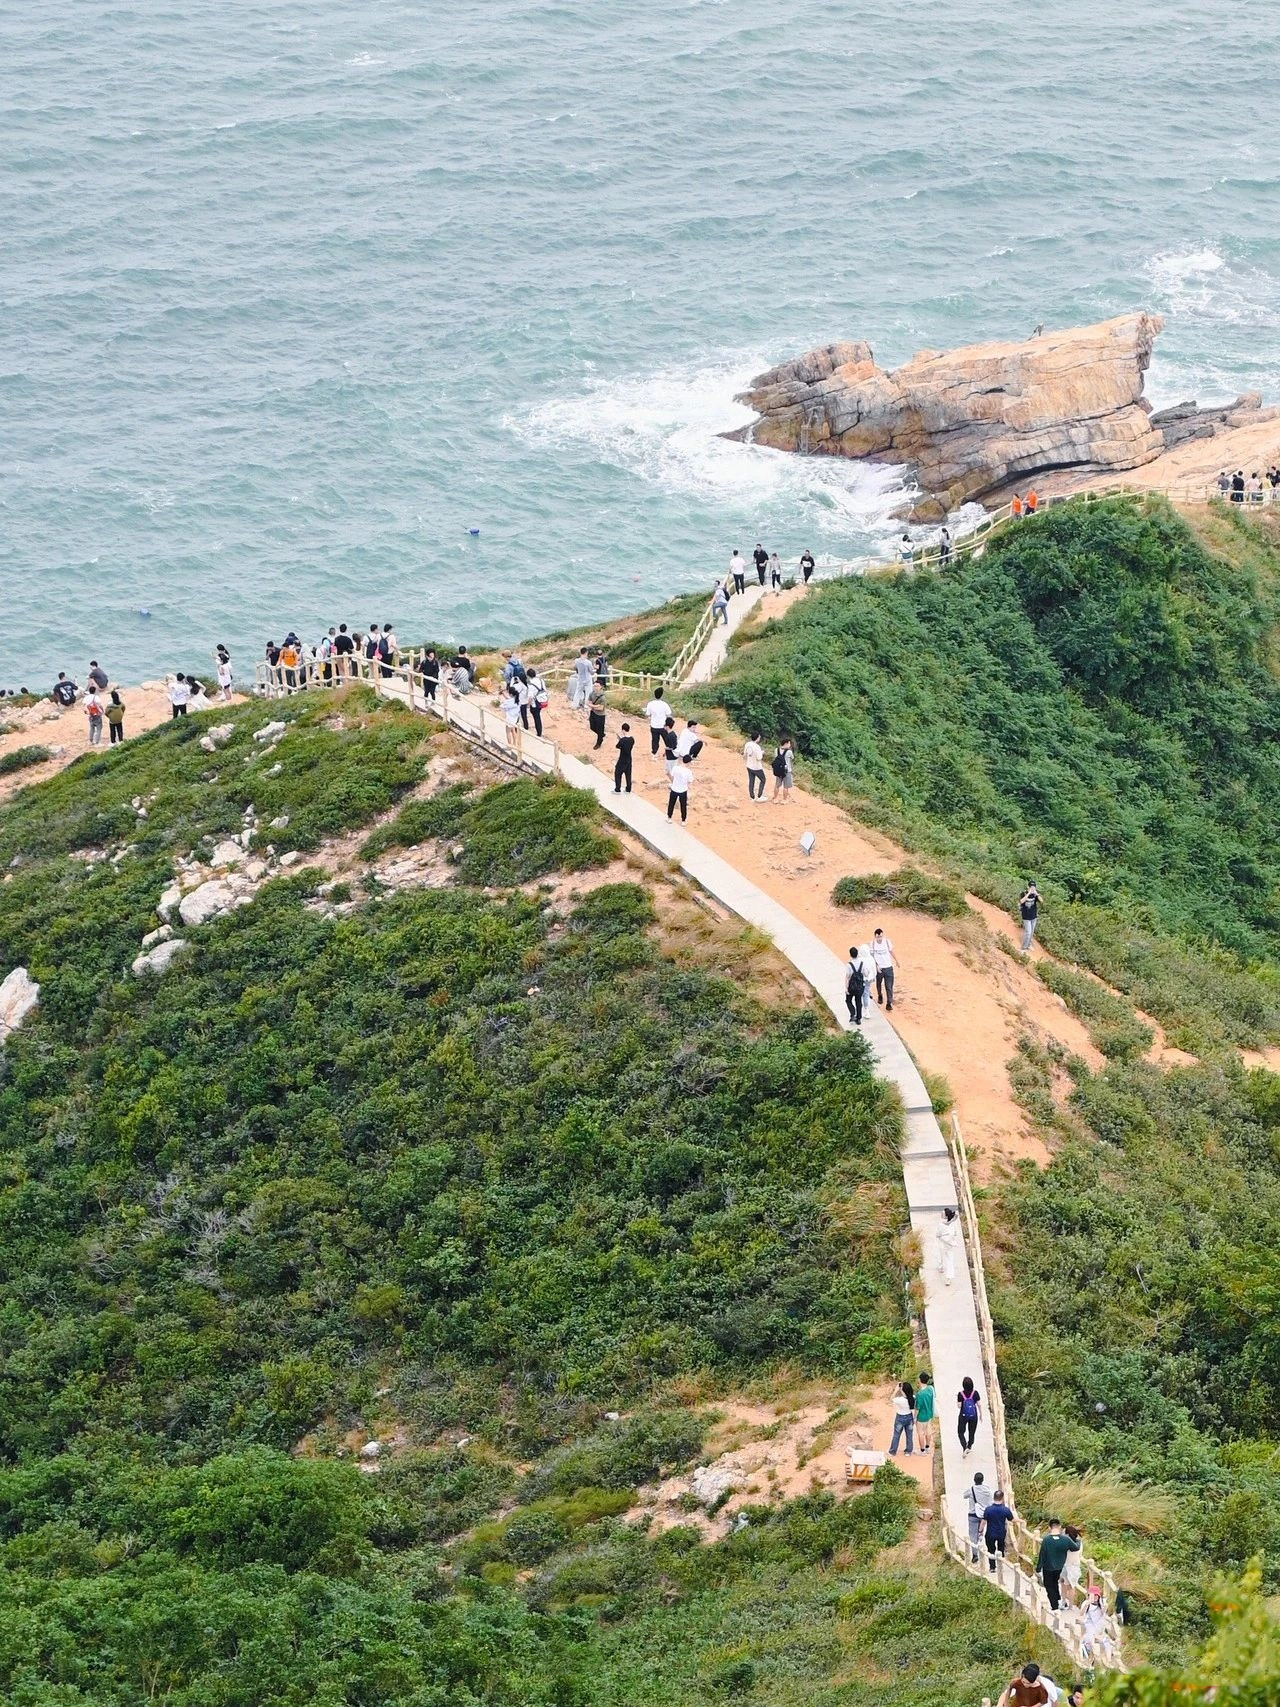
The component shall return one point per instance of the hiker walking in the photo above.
(657, 711)
(753, 755)
(719, 606)
(904, 1417)
(775, 572)
(975, 1501)
(968, 1410)
(948, 1238)
(907, 551)
(885, 963)
(1071, 1570)
(926, 1398)
(115, 717)
(738, 569)
(670, 741)
(1029, 909)
(944, 548)
(995, 1528)
(806, 565)
(581, 680)
(761, 557)
(93, 711)
(855, 986)
(429, 671)
(625, 746)
(1027, 1688)
(388, 649)
(225, 673)
(784, 770)
(535, 698)
(595, 715)
(678, 781)
(1055, 1549)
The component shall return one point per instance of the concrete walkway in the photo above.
(950, 1314)
(713, 654)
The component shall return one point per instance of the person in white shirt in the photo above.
(885, 962)
(179, 696)
(753, 753)
(976, 1501)
(689, 744)
(738, 569)
(906, 551)
(511, 714)
(581, 681)
(678, 790)
(948, 1240)
(224, 677)
(657, 711)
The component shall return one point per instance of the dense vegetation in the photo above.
(458, 1169)
(1092, 703)
(23, 758)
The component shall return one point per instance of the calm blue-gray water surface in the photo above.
(292, 297)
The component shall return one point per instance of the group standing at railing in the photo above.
(1256, 489)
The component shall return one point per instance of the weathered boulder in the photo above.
(975, 420)
(200, 905)
(225, 854)
(157, 960)
(19, 994)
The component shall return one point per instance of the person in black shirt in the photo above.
(343, 646)
(806, 565)
(622, 770)
(98, 676)
(429, 669)
(1029, 908)
(64, 689)
(761, 557)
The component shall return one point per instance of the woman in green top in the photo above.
(924, 1413)
(115, 717)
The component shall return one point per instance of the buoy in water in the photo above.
(475, 533)
(143, 611)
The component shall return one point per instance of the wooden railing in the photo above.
(1016, 1573)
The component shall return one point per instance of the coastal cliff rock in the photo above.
(976, 420)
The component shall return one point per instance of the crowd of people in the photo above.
(1254, 489)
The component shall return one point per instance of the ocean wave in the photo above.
(663, 428)
(1206, 285)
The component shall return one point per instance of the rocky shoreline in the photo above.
(977, 422)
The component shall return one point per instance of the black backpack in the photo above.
(856, 982)
(779, 764)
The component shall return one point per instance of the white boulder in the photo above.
(158, 959)
(168, 901)
(18, 995)
(207, 902)
(226, 853)
(162, 933)
(711, 1482)
(270, 731)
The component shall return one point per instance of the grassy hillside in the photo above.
(462, 1168)
(1093, 703)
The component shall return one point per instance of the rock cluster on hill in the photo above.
(975, 420)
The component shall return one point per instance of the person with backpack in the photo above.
(975, 1503)
(534, 699)
(855, 986)
(388, 648)
(969, 1408)
(995, 1528)
(719, 606)
(783, 767)
(93, 711)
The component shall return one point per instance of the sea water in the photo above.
(295, 298)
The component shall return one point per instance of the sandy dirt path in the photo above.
(962, 1003)
(66, 733)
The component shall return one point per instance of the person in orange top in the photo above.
(1015, 508)
(1033, 501)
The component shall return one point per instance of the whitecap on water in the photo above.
(664, 428)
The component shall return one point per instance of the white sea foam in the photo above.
(664, 428)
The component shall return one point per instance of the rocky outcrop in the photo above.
(19, 994)
(976, 420)
(1186, 421)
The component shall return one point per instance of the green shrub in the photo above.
(914, 891)
(1113, 1025)
(22, 758)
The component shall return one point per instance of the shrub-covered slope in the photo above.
(459, 1167)
(1093, 703)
